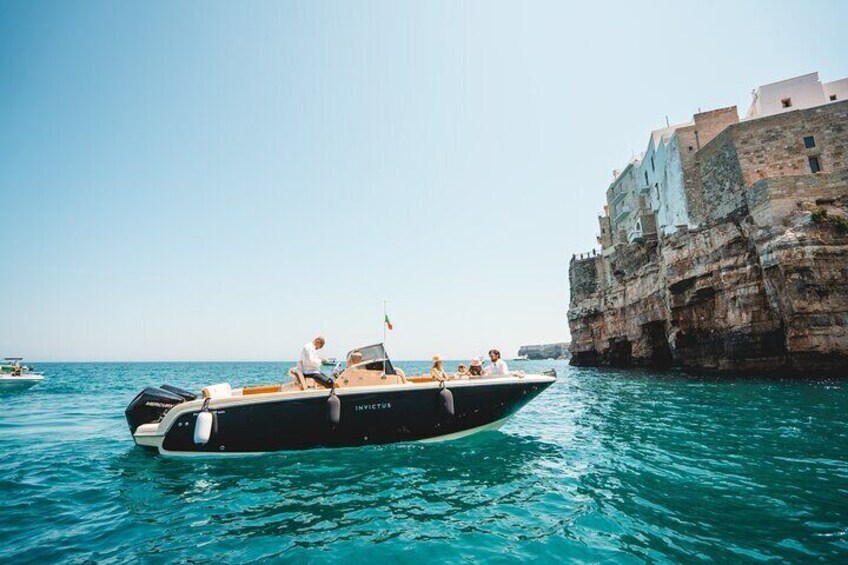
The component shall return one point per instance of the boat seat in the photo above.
(262, 389)
(220, 390)
(302, 382)
(364, 377)
(295, 373)
(419, 379)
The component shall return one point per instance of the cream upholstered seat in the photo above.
(304, 382)
(365, 377)
(261, 389)
(220, 390)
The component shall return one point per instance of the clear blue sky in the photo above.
(221, 181)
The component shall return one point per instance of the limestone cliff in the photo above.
(546, 351)
(735, 295)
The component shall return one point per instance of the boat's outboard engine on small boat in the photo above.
(150, 405)
(179, 392)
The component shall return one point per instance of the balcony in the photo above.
(620, 216)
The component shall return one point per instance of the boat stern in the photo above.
(148, 435)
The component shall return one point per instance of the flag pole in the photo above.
(384, 338)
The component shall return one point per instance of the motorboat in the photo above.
(331, 362)
(15, 376)
(370, 402)
(521, 358)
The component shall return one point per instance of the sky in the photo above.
(223, 181)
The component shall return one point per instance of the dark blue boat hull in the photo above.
(366, 418)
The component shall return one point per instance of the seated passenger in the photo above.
(476, 368)
(498, 367)
(438, 370)
(462, 369)
(355, 358)
(310, 363)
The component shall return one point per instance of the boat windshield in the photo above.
(374, 358)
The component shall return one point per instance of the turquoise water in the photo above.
(625, 467)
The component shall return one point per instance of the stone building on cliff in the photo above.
(725, 246)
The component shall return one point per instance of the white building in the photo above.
(623, 201)
(662, 172)
(649, 195)
(795, 93)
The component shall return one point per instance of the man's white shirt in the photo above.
(309, 362)
(497, 368)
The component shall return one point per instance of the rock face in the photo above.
(760, 284)
(548, 351)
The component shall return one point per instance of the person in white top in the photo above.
(310, 362)
(498, 366)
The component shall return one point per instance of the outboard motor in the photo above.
(186, 395)
(149, 406)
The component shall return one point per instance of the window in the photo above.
(832, 97)
(815, 166)
(646, 179)
(809, 142)
(786, 102)
(690, 148)
(652, 163)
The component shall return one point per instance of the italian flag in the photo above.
(388, 322)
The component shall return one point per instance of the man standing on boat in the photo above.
(310, 363)
(498, 367)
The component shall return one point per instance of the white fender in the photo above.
(447, 400)
(203, 428)
(334, 409)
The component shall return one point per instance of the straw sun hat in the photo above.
(476, 362)
(437, 358)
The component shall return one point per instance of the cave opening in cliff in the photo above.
(660, 355)
(620, 352)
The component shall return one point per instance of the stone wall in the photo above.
(583, 277)
(765, 148)
(774, 146)
(720, 181)
(771, 201)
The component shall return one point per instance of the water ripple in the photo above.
(624, 467)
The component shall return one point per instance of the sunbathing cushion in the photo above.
(221, 390)
(263, 389)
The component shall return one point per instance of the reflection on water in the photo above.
(605, 465)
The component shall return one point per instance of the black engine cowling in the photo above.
(150, 405)
(186, 395)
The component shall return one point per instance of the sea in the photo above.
(606, 466)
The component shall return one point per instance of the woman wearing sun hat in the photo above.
(476, 368)
(438, 370)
